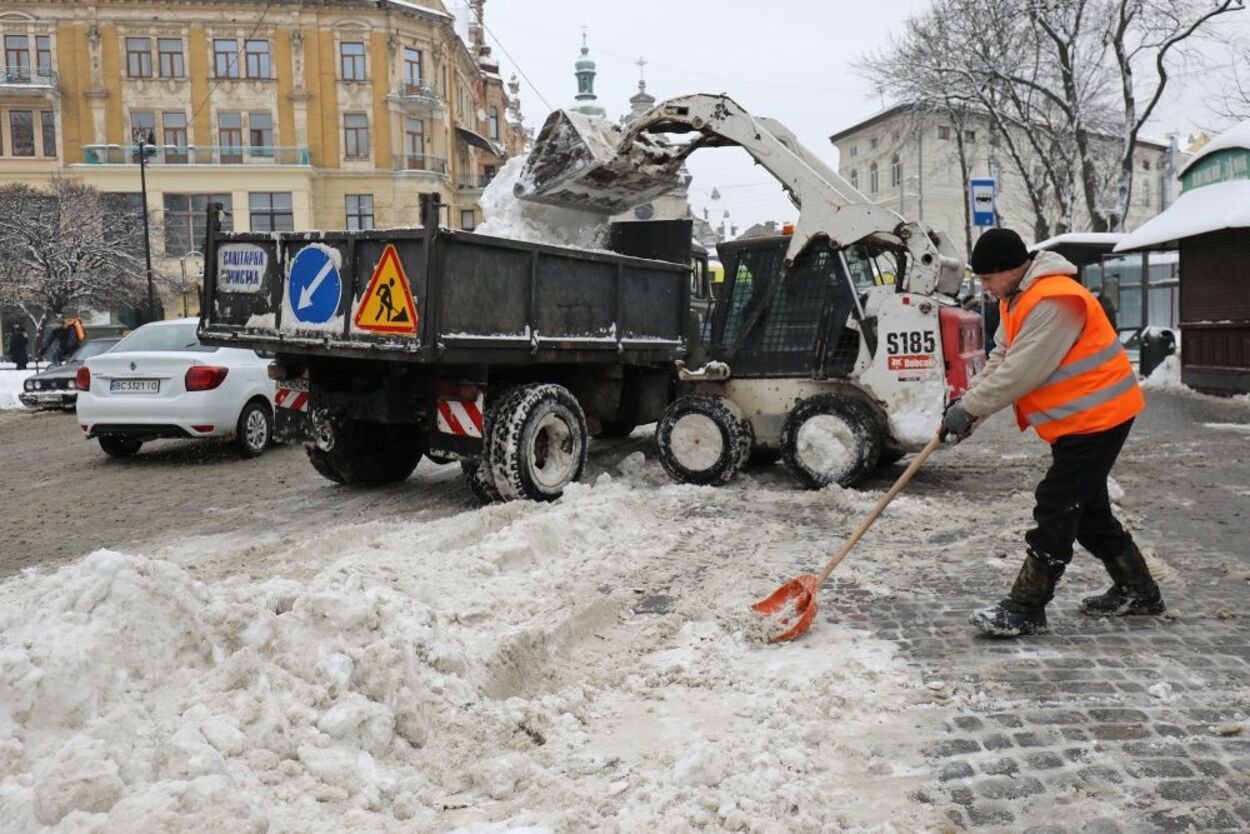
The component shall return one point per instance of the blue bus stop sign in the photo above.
(981, 193)
(314, 288)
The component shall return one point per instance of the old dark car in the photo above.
(55, 387)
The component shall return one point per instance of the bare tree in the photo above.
(67, 247)
(1144, 35)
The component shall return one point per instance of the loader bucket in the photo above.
(584, 163)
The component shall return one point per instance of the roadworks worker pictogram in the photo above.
(387, 305)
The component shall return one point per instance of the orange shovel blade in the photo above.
(792, 606)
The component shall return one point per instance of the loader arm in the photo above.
(830, 208)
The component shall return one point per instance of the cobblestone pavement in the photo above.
(1116, 725)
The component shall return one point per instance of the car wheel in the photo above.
(703, 440)
(255, 429)
(119, 445)
(538, 443)
(830, 439)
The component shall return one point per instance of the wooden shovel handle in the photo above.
(881, 505)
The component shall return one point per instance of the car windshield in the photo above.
(92, 348)
(163, 337)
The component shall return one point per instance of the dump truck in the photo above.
(393, 345)
(508, 356)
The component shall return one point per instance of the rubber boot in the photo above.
(1024, 610)
(1134, 591)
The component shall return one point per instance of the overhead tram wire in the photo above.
(514, 61)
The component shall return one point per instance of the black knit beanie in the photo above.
(997, 251)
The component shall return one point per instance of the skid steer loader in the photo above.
(835, 347)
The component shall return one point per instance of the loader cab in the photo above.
(765, 327)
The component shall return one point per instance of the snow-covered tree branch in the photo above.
(69, 248)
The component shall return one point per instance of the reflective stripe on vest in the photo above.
(1094, 388)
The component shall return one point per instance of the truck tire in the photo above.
(829, 439)
(481, 483)
(477, 473)
(364, 453)
(119, 445)
(703, 440)
(538, 443)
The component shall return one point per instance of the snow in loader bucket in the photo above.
(588, 163)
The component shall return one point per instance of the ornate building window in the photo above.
(352, 60)
(171, 60)
(256, 54)
(139, 57)
(492, 122)
(356, 135)
(225, 58)
(896, 171)
(874, 179)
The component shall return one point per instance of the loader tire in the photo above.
(365, 453)
(538, 442)
(703, 440)
(830, 439)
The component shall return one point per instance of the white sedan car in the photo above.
(161, 382)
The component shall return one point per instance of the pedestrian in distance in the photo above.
(19, 343)
(61, 342)
(1109, 309)
(1059, 362)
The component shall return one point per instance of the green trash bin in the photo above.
(1157, 344)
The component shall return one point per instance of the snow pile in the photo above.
(1167, 377)
(506, 216)
(917, 407)
(560, 665)
(10, 386)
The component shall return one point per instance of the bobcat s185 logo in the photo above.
(911, 353)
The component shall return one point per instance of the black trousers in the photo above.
(1072, 502)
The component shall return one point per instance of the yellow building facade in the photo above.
(326, 115)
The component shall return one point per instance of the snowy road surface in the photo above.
(258, 650)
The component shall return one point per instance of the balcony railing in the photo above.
(420, 89)
(195, 155)
(421, 162)
(474, 182)
(27, 77)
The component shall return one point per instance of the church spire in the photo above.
(584, 69)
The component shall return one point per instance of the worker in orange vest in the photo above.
(1060, 363)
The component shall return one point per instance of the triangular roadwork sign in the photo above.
(387, 305)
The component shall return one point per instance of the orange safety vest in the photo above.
(1094, 388)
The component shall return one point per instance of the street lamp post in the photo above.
(147, 147)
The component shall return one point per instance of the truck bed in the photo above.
(478, 299)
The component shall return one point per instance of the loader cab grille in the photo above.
(766, 326)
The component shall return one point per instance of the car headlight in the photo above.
(71, 385)
(28, 385)
(38, 386)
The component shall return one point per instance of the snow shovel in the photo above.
(793, 605)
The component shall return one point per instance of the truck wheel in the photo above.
(703, 440)
(119, 445)
(829, 439)
(364, 453)
(477, 475)
(538, 443)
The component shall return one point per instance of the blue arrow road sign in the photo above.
(313, 287)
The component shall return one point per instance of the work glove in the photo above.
(956, 422)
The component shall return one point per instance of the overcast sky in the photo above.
(788, 59)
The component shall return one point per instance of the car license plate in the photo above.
(135, 386)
